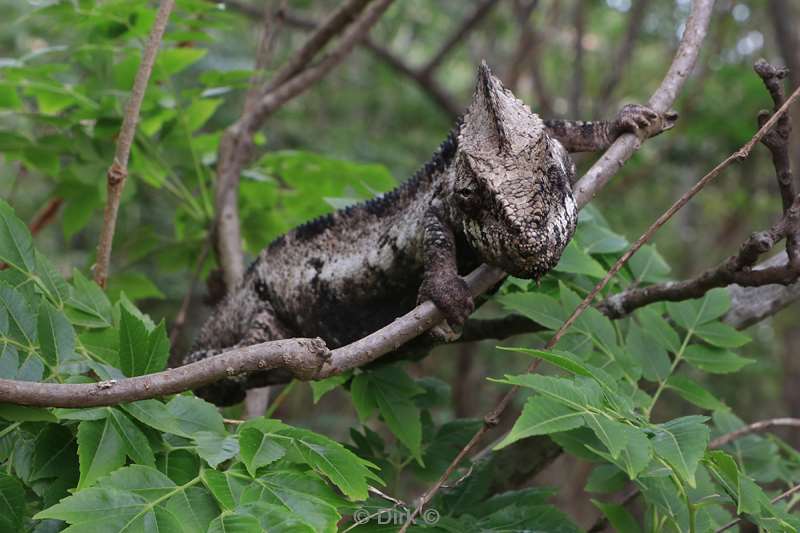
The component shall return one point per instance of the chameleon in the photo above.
(497, 191)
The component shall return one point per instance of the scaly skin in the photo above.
(497, 191)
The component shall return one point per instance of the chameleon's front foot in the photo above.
(451, 296)
(635, 118)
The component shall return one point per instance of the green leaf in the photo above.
(637, 453)
(132, 344)
(681, 443)
(225, 487)
(606, 479)
(542, 416)
(721, 335)
(135, 285)
(659, 329)
(648, 266)
(694, 393)
(692, 313)
(193, 414)
(137, 447)
(561, 359)
(259, 448)
(21, 322)
(714, 360)
(613, 434)
(16, 244)
(154, 413)
(21, 413)
(321, 388)
(12, 503)
(565, 391)
(540, 308)
(301, 494)
(362, 398)
(100, 450)
(200, 111)
(596, 239)
(103, 344)
(89, 299)
(57, 289)
(345, 469)
(215, 448)
(9, 99)
(174, 60)
(619, 517)
(648, 353)
(576, 261)
(397, 407)
(53, 454)
(134, 498)
(229, 522)
(56, 336)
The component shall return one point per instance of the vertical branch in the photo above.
(624, 53)
(777, 140)
(118, 171)
(234, 150)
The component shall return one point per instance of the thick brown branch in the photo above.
(118, 171)
(303, 356)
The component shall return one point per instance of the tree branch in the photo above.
(624, 53)
(755, 427)
(302, 356)
(118, 171)
(778, 143)
(467, 25)
(734, 270)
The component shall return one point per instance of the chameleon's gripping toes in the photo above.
(497, 191)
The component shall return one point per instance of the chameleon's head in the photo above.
(511, 183)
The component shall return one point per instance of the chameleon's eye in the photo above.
(466, 193)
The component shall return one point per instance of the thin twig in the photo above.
(180, 318)
(623, 55)
(466, 26)
(45, 215)
(118, 171)
(755, 427)
(776, 499)
(596, 177)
